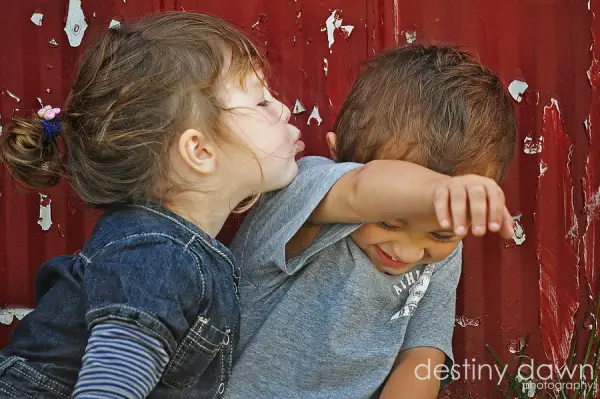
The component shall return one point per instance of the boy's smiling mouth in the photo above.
(389, 260)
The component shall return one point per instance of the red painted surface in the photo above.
(502, 297)
(557, 239)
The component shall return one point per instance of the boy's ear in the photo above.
(197, 152)
(332, 144)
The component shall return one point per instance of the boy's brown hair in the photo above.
(136, 88)
(432, 105)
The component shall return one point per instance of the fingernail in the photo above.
(478, 230)
(460, 230)
(445, 223)
(494, 226)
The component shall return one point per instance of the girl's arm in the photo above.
(120, 362)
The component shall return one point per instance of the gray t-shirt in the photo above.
(327, 324)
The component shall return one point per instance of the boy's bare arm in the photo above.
(386, 189)
(408, 380)
(377, 191)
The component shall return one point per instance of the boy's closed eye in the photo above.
(443, 236)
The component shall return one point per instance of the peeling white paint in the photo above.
(53, 43)
(588, 128)
(333, 23)
(411, 37)
(114, 24)
(516, 346)
(516, 89)
(464, 321)
(94, 15)
(543, 168)
(298, 107)
(531, 146)
(254, 25)
(7, 316)
(519, 235)
(45, 220)
(76, 25)
(37, 18)
(347, 29)
(315, 115)
(325, 66)
(592, 206)
(12, 95)
(40, 101)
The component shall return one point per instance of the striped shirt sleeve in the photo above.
(121, 361)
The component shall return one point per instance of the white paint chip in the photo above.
(45, 220)
(53, 43)
(411, 37)
(76, 25)
(315, 115)
(531, 146)
(347, 30)
(543, 168)
(114, 24)
(37, 18)
(519, 235)
(333, 23)
(516, 89)
(7, 316)
(40, 102)
(298, 108)
(12, 95)
(325, 66)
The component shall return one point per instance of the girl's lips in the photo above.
(385, 258)
(300, 145)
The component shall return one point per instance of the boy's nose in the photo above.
(409, 254)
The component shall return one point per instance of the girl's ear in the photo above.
(198, 152)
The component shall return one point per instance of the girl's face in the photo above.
(260, 121)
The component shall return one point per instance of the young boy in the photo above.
(350, 310)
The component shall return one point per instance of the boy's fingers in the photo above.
(478, 207)
(507, 225)
(496, 202)
(442, 211)
(458, 206)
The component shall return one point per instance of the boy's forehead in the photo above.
(423, 224)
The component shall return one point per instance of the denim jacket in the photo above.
(143, 265)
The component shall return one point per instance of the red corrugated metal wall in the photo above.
(540, 287)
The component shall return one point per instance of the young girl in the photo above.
(168, 127)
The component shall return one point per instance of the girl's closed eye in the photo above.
(264, 103)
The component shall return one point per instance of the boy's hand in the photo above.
(471, 196)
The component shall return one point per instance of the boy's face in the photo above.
(394, 247)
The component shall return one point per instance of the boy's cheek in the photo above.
(442, 251)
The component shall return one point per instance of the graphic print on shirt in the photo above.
(416, 291)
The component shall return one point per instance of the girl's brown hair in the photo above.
(432, 105)
(136, 87)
